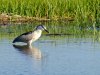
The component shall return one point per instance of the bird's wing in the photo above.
(26, 33)
(23, 37)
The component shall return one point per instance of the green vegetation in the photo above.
(68, 29)
(85, 13)
(64, 28)
(79, 10)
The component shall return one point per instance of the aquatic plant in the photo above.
(79, 10)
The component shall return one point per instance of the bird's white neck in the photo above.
(37, 33)
(39, 30)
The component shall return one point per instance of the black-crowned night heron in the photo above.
(31, 36)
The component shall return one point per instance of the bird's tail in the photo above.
(16, 40)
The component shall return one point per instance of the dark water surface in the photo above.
(51, 55)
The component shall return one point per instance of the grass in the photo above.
(84, 13)
(69, 28)
(79, 10)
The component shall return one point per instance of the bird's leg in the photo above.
(29, 43)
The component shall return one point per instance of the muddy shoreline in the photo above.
(7, 18)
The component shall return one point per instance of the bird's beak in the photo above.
(47, 31)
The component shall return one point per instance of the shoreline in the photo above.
(6, 18)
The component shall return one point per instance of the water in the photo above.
(51, 55)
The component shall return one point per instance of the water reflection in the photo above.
(29, 50)
(35, 54)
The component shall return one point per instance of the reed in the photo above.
(59, 28)
(79, 10)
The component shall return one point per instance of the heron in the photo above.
(31, 36)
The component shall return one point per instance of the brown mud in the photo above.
(7, 18)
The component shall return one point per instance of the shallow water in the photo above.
(77, 53)
(60, 55)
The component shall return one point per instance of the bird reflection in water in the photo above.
(29, 50)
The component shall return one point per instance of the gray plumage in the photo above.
(31, 36)
(23, 37)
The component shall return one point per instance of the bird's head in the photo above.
(42, 27)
